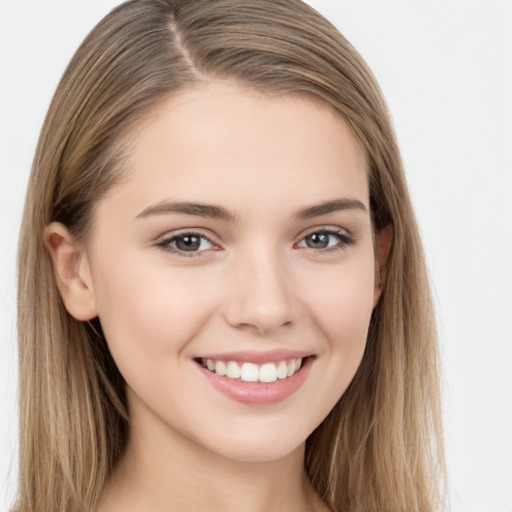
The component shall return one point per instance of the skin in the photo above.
(256, 286)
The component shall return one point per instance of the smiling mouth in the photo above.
(250, 372)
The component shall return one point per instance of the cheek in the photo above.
(342, 310)
(343, 302)
(150, 315)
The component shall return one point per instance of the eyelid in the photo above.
(346, 238)
(164, 241)
(326, 228)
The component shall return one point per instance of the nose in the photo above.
(261, 297)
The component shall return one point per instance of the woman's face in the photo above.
(240, 240)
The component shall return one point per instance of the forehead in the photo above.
(226, 144)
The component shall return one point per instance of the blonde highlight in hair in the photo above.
(381, 446)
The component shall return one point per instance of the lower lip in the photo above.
(258, 392)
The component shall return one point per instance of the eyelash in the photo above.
(344, 241)
(164, 244)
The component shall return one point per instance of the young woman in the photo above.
(223, 301)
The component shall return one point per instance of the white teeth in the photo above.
(220, 368)
(268, 372)
(282, 370)
(233, 371)
(291, 367)
(250, 372)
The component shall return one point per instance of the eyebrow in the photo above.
(186, 208)
(327, 207)
(220, 213)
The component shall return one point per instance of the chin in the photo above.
(258, 445)
(261, 451)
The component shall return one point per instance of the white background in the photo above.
(446, 70)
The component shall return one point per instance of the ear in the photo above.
(383, 241)
(72, 272)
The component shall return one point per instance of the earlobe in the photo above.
(383, 242)
(72, 272)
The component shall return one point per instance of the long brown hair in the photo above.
(380, 449)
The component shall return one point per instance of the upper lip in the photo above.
(257, 357)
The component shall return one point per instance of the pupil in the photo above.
(188, 243)
(318, 240)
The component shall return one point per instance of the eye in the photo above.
(187, 244)
(326, 239)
